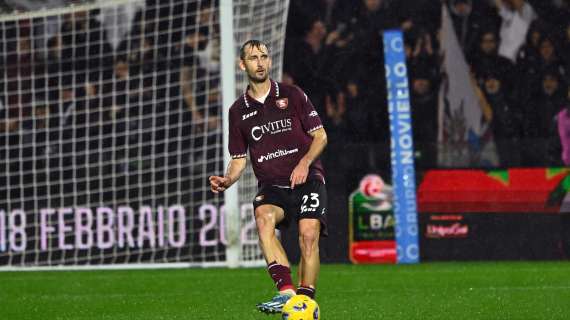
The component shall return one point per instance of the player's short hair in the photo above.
(252, 43)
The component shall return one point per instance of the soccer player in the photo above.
(279, 126)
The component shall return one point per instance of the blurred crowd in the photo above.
(85, 97)
(334, 52)
(81, 89)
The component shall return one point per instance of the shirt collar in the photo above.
(273, 92)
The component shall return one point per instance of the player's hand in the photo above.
(219, 184)
(299, 174)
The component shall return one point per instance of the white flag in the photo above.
(461, 122)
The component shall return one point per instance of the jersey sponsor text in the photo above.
(272, 127)
(277, 154)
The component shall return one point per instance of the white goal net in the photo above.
(110, 124)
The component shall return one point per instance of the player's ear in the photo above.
(241, 64)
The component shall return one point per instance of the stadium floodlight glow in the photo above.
(113, 115)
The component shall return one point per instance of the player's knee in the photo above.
(265, 223)
(308, 240)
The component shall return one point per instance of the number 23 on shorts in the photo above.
(313, 203)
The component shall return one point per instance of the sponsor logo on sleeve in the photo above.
(249, 115)
(313, 114)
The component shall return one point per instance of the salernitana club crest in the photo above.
(282, 103)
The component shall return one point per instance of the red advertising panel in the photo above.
(538, 190)
(509, 214)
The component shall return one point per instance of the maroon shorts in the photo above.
(306, 201)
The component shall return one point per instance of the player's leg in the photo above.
(309, 266)
(267, 216)
(312, 202)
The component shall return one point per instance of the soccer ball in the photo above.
(301, 307)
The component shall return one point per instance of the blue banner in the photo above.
(402, 148)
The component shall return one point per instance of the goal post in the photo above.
(228, 59)
(111, 121)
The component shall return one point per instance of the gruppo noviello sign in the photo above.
(402, 148)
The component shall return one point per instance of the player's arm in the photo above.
(237, 146)
(235, 169)
(301, 171)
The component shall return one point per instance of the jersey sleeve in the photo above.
(237, 144)
(310, 119)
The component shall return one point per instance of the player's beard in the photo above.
(253, 77)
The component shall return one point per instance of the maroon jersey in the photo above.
(276, 133)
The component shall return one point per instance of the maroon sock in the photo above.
(281, 275)
(308, 291)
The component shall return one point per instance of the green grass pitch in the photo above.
(502, 290)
